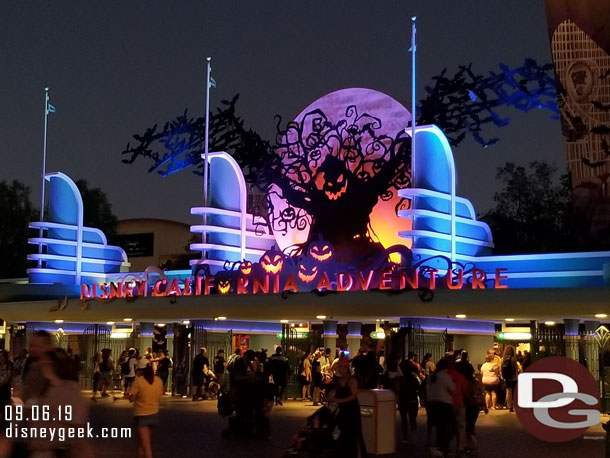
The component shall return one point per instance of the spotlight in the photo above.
(460, 315)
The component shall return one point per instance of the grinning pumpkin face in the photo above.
(306, 274)
(321, 251)
(272, 262)
(224, 286)
(245, 268)
(331, 178)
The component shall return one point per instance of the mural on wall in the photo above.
(580, 46)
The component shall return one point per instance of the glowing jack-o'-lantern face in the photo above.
(331, 178)
(224, 286)
(245, 268)
(272, 262)
(307, 275)
(321, 251)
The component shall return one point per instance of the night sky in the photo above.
(115, 68)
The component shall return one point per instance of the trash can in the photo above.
(378, 413)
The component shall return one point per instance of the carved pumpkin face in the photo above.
(307, 274)
(224, 286)
(321, 251)
(272, 262)
(331, 178)
(245, 268)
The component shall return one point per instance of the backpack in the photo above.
(125, 369)
(508, 368)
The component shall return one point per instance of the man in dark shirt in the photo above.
(365, 368)
(279, 368)
(201, 367)
(219, 367)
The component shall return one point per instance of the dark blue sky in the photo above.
(115, 68)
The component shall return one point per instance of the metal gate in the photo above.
(549, 341)
(415, 339)
(212, 341)
(295, 347)
(94, 339)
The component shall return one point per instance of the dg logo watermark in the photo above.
(557, 399)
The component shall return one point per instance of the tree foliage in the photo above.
(17, 212)
(533, 212)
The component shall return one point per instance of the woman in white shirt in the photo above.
(490, 372)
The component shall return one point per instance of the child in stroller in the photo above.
(316, 440)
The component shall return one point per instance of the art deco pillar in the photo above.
(354, 336)
(571, 338)
(592, 348)
(330, 334)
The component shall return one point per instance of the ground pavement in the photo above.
(193, 429)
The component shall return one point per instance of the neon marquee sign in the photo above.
(317, 270)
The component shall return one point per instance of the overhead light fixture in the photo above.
(161, 325)
(109, 323)
(509, 320)
(460, 315)
(601, 315)
(284, 321)
(59, 321)
(321, 317)
(187, 322)
(128, 319)
(549, 323)
(220, 318)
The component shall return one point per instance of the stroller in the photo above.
(317, 440)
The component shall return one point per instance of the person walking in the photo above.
(106, 371)
(145, 393)
(305, 377)
(279, 369)
(6, 376)
(490, 376)
(164, 363)
(440, 389)
(510, 371)
(350, 443)
(428, 365)
(61, 390)
(128, 369)
(474, 401)
(219, 364)
(201, 365)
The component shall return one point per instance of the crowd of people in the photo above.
(46, 378)
(107, 373)
(248, 384)
(450, 390)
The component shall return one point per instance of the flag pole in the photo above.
(206, 196)
(44, 166)
(413, 100)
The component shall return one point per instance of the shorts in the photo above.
(511, 384)
(492, 388)
(105, 377)
(146, 420)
